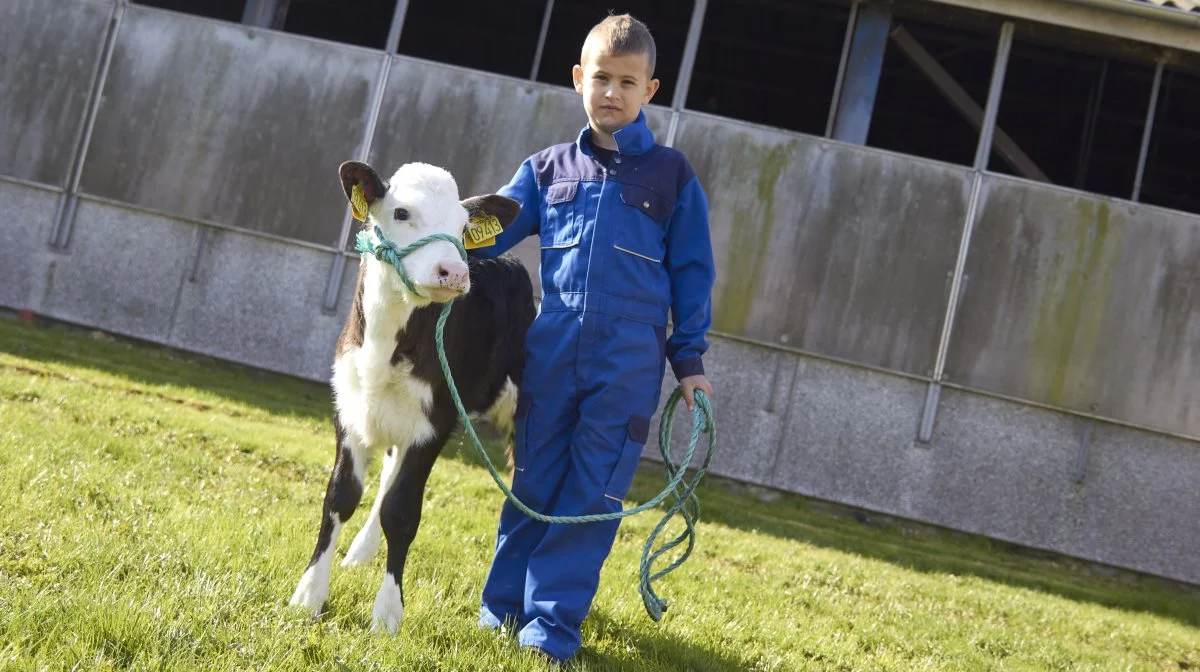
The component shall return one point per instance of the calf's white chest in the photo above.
(380, 404)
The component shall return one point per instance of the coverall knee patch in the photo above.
(635, 440)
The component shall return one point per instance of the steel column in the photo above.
(982, 152)
(64, 216)
(840, 79)
(333, 284)
(684, 80)
(1147, 129)
(864, 65)
(265, 13)
(541, 43)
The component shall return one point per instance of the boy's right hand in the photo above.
(692, 383)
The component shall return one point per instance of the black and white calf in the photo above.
(389, 392)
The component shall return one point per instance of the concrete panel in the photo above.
(851, 438)
(258, 301)
(1083, 303)
(997, 468)
(122, 273)
(750, 408)
(1009, 472)
(228, 124)
(49, 52)
(478, 126)
(26, 217)
(833, 249)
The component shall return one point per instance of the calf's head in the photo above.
(420, 200)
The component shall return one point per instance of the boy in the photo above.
(623, 224)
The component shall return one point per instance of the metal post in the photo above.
(684, 80)
(1147, 130)
(864, 65)
(265, 13)
(541, 43)
(333, 284)
(64, 217)
(1000, 67)
(398, 15)
(841, 73)
(982, 151)
(1089, 127)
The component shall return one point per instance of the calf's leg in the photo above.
(400, 515)
(366, 542)
(341, 499)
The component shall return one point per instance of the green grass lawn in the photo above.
(157, 509)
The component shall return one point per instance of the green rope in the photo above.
(685, 504)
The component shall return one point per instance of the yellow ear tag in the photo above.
(481, 231)
(358, 202)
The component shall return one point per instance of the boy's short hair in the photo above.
(622, 34)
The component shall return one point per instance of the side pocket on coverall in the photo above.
(622, 478)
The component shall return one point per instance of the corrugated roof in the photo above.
(1185, 5)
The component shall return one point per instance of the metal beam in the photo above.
(852, 121)
(686, 66)
(541, 43)
(1147, 130)
(1089, 127)
(265, 13)
(1141, 22)
(840, 80)
(64, 216)
(393, 39)
(964, 103)
(333, 284)
(958, 279)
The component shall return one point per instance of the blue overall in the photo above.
(623, 245)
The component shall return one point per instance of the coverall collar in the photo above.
(633, 140)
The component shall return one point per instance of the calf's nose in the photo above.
(453, 275)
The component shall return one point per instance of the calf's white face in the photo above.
(420, 200)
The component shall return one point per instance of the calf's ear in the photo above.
(358, 174)
(505, 210)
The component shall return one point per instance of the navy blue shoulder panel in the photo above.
(564, 162)
(663, 170)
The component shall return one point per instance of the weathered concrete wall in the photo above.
(831, 248)
(49, 53)
(838, 252)
(1082, 302)
(998, 468)
(218, 122)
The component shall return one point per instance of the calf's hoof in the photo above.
(389, 607)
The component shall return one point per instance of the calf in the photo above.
(388, 387)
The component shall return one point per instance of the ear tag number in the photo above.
(481, 231)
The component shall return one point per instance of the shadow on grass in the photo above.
(155, 365)
(911, 545)
(658, 650)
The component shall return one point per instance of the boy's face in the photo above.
(614, 88)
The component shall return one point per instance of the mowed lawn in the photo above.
(156, 510)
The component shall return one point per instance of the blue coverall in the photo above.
(621, 245)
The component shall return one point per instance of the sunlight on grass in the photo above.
(156, 510)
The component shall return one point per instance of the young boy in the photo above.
(623, 224)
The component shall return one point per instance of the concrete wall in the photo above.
(208, 218)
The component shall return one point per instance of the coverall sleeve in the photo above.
(689, 262)
(524, 190)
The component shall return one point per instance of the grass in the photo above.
(156, 510)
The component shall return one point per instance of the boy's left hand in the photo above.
(692, 383)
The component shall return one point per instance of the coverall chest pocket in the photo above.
(564, 220)
(642, 232)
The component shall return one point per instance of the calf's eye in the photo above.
(401, 215)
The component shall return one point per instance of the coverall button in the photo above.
(645, 204)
